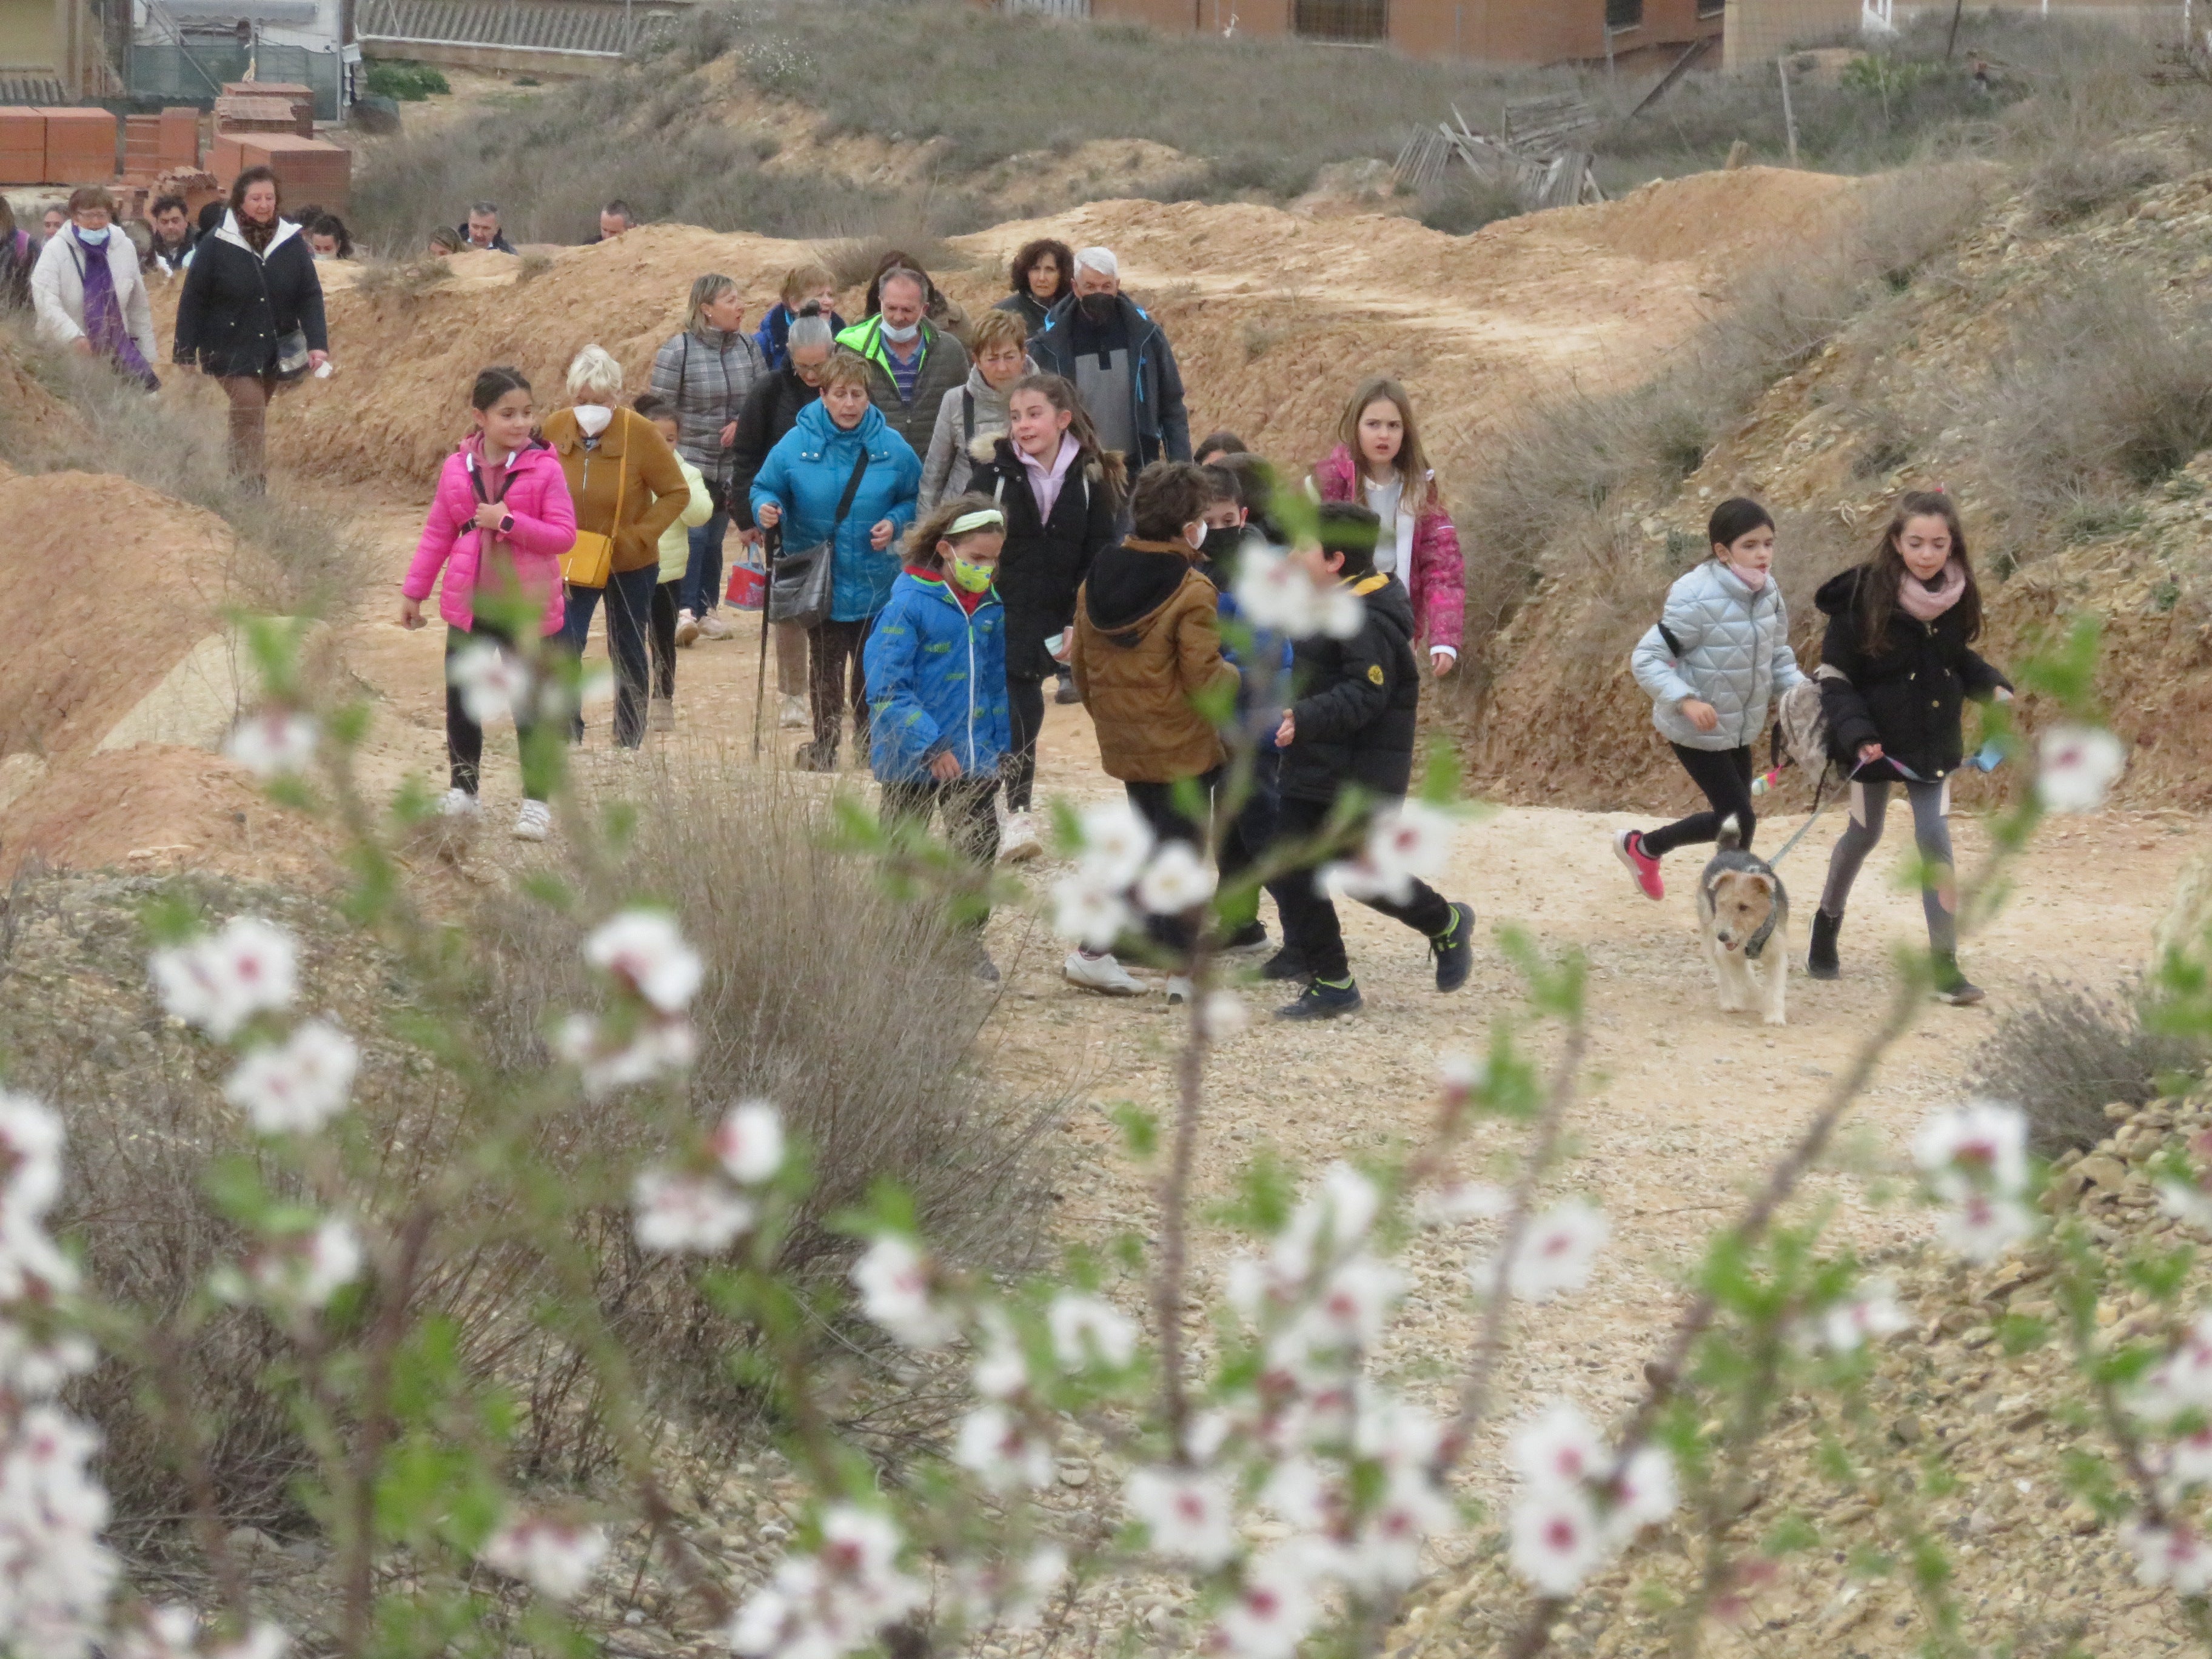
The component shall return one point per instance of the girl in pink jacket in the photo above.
(500, 521)
(1378, 463)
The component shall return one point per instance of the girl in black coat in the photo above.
(1898, 663)
(252, 313)
(1049, 456)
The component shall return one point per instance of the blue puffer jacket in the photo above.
(806, 474)
(1733, 652)
(937, 681)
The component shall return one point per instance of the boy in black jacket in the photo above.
(1354, 724)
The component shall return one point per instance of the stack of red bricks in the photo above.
(56, 146)
(267, 123)
(156, 144)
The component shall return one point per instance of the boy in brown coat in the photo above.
(1147, 650)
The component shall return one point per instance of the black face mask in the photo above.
(1098, 308)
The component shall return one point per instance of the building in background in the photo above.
(1759, 31)
(1641, 32)
(183, 52)
(51, 54)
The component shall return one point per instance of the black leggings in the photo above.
(1311, 927)
(1725, 776)
(660, 639)
(464, 738)
(1026, 708)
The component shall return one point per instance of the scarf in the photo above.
(258, 236)
(103, 313)
(1915, 598)
(1045, 481)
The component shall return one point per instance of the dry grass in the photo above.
(2067, 1053)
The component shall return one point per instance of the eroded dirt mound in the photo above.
(155, 808)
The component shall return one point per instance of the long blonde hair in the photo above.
(1412, 462)
(705, 290)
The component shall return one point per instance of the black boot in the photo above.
(1820, 961)
(1951, 985)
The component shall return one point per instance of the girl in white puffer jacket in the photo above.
(1715, 664)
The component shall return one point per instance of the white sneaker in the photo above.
(1019, 840)
(687, 627)
(715, 628)
(1179, 988)
(534, 822)
(1100, 974)
(459, 803)
(795, 714)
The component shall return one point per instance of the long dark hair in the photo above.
(1061, 394)
(1876, 601)
(495, 383)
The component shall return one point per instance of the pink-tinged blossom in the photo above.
(2186, 1462)
(1089, 1330)
(1352, 1304)
(1392, 1431)
(1556, 1540)
(1409, 842)
(1978, 1148)
(1009, 1595)
(1459, 1075)
(678, 1213)
(1644, 1494)
(173, 1631)
(1556, 1253)
(1003, 1450)
(835, 1602)
(493, 682)
(654, 1049)
(1002, 1369)
(1190, 1516)
(749, 1142)
(2182, 1382)
(1557, 1450)
(1385, 1551)
(1301, 1495)
(33, 1368)
(276, 743)
(1277, 594)
(2174, 1557)
(218, 982)
(2076, 766)
(295, 1086)
(1117, 841)
(554, 1557)
(1869, 1313)
(1274, 1606)
(300, 1271)
(1981, 1228)
(55, 1574)
(1089, 911)
(645, 950)
(893, 1278)
(1177, 880)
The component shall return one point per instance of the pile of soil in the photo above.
(158, 807)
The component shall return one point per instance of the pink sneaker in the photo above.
(1628, 847)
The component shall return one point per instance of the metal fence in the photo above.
(1048, 8)
(194, 70)
(596, 28)
(1362, 22)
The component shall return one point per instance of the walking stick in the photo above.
(769, 544)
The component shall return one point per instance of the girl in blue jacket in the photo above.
(936, 681)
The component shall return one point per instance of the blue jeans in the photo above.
(702, 577)
(629, 611)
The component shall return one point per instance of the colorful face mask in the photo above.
(976, 578)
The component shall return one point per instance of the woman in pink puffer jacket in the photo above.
(1378, 463)
(501, 520)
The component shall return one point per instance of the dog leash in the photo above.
(1984, 759)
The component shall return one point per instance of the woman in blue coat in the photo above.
(936, 670)
(841, 444)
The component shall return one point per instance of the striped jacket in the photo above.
(707, 376)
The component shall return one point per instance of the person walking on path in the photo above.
(498, 525)
(972, 417)
(171, 249)
(937, 687)
(705, 373)
(944, 312)
(810, 285)
(1062, 497)
(90, 294)
(628, 489)
(840, 453)
(1039, 277)
(675, 560)
(1378, 462)
(1119, 360)
(913, 363)
(1353, 727)
(771, 409)
(1897, 662)
(251, 314)
(1147, 654)
(1715, 664)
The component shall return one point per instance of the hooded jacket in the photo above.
(1436, 576)
(1908, 695)
(771, 409)
(1354, 719)
(1162, 424)
(630, 466)
(1027, 306)
(1147, 647)
(937, 681)
(1731, 649)
(676, 540)
(707, 376)
(545, 528)
(970, 420)
(1044, 561)
(772, 337)
(58, 289)
(944, 365)
(805, 475)
(236, 303)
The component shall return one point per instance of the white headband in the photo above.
(981, 519)
(1100, 259)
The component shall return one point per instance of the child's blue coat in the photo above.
(937, 681)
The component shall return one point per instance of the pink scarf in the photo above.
(1045, 481)
(1925, 603)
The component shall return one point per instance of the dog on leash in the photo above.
(1745, 914)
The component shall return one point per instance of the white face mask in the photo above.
(905, 336)
(1195, 535)
(593, 418)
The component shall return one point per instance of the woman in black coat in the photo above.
(1898, 663)
(252, 313)
(1050, 456)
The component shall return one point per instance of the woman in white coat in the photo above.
(87, 291)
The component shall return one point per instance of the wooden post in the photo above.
(1789, 114)
(1951, 44)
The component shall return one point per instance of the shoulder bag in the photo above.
(799, 589)
(291, 347)
(591, 560)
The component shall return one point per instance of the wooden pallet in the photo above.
(1540, 165)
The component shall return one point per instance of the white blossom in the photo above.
(493, 681)
(31, 1136)
(2188, 1204)
(276, 743)
(749, 1141)
(1116, 842)
(1556, 1253)
(2187, 1461)
(1352, 1304)
(1090, 910)
(893, 1279)
(681, 1213)
(1557, 1450)
(655, 1048)
(645, 950)
(1644, 1494)
(1979, 1148)
(2182, 1382)
(1870, 1313)
(1406, 843)
(171, 1631)
(1385, 1552)
(1089, 1330)
(263, 1640)
(1276, 594)
(1222, 1016)
(219, 981)
(1002, 1369)
(859, 1550)
(306, 1270)
(1305, 1499)
(1275, 1606)
(55, 1574)
(1557, 1540)
(2077, 766)
(1460, 1075)
(33, 1369)
(555, 1557)
(1009, 1595)
(1002, 1450)
(1981, 1228)
(821, 1606)
(1393, 1431)
(295, 1086)
(2173, 1556)
(1177, 880)
(1461, 1201)
(1190, 1515)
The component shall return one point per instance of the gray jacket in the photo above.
(707, 375)
(1731, 649)
(958, 441)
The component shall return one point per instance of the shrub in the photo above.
(2072, 183)
(1462, 203)
(2066, 1053)
(409, 83)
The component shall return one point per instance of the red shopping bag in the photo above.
(748, 587)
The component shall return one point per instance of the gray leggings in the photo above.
(1931, 802)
